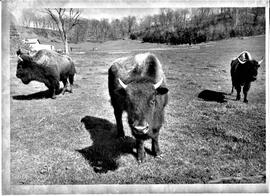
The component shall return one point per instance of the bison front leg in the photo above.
(51, 90)
(71, 80)
(54, 88)
(245, 91)
(53, 93)
(140, 150)
(118, 118)
(155, 144)
(232, 90)
(65, 86)
(238, 90)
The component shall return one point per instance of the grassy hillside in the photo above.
(44, 35)
(71, 140)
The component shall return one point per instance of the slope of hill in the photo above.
(45, 35)
(18, 33)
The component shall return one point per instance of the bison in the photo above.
(48, 67)
(137, 85)
(244, 70)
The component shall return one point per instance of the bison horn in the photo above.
(260, 61)
(242, 62)
(158, 83)
(20, 58)
(248, 55)
(122, 83)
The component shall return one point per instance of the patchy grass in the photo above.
(71, 140)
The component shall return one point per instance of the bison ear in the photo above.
(162, 90)
(260, 61)
(19, 52)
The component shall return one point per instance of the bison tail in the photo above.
(232, 90)
(73, 67)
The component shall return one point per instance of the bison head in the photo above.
(24, 67)
(143, 103)
(251, 67)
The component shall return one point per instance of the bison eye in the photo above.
(19, 66)
(22, 65)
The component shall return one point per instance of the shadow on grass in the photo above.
(210, 95)
(106, 149)
(39, 95)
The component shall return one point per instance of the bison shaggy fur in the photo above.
(137, 85)
(48, 67)
(244, 70)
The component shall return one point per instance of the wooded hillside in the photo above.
(173, 26)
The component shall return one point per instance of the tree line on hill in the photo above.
(201, 25)
(171, 26)
(84, 30)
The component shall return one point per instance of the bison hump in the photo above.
(148, 65)
(140, 65)
(48, 58)
(42, 57)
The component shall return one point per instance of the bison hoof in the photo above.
(53, 97)
(245, 101)
(140, 161)
(141, 158)
(121, 138)
(159, 156)
(120, 135)
(63, 91)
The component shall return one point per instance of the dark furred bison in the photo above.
(137, 85)
(244, 70)
(48, 67)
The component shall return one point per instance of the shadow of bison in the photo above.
(210, 95)
(39, 95)
(106, 149)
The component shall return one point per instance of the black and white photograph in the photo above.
(134, 97)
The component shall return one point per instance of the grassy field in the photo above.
(71, 140)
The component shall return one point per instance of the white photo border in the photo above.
(7, 188)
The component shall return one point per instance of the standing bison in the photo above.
(137, 85)
(244, 70)
(48, 67)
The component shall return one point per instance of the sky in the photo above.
(113, 13)
(103, 13)
(120, 8)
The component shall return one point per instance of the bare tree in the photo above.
(166, 17)
(93, 31)
(79, 33)
(65, 19)
(116, 29)
(123, 28)
(131, 21)
(28, 18)
(104, 27)
(146, 22)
